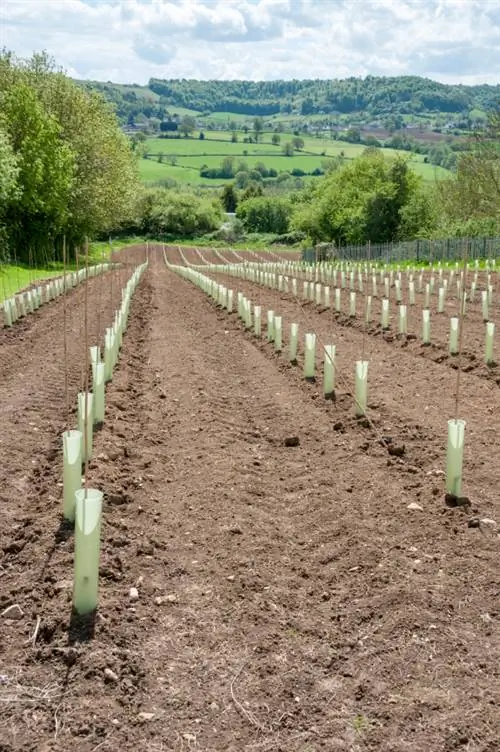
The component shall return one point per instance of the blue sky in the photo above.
(455, 41)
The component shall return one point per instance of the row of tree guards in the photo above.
(251, 316)
(82, 505)
(280, 277)
(23, 303)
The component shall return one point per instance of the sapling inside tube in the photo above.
(86, 423)
(368, 313)
(385, 314)
(72, 471)
(294, 338)
(270, 326)
(411, 293)
(310, 356)
(98, 392)
(440, 305)
(318, 293)
(484, 300)
(337, 299)
(426, 326)
(87, 549)
(427, 295)
(277, 333)
(403, 326)
(361, 387)
(454, 326)
(329, 371)
(490, 333)
(257, 320)
(248, 314)
(454, 456)
(352, 305)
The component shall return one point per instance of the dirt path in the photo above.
(289, 600)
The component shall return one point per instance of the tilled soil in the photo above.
(288, 598)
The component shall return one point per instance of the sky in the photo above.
(130, 41)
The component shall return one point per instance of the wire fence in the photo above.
(448, 249)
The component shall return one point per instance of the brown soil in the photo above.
(289, 600)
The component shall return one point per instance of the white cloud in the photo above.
(133, 40)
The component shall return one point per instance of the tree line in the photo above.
(67, 172)
(375, 97)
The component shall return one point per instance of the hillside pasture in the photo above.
(192, 153)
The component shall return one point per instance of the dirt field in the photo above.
(289, 600)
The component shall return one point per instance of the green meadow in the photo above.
(180, 159)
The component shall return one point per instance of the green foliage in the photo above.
(385, 97)
(265, 215)
(39, 209)
(470, 200)
(77, 174)
(362, 201)
(179, 214)
(187, 125)
(9, 173)
(229, 198)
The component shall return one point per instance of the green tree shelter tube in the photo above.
(361, 387)
(310, 357)
(484, 301)
(294, 340)
(329, 371)
(454, 456)
(352, 305)
(490, 333)
(278, 333)
(368, 311)
(87, 549)
(72, 471)
(403, 319)
(454, 327)
(99, 394)
(384, 318)
(270, 326)
(257, 320)
(7, 314)
(426, 326)
(86, 423)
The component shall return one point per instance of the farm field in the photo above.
(288, 597)
(192, 153)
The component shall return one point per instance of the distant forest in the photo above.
(372, 97)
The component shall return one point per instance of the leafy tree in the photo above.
(234, 137)
(362, 201)
(252, 191)
(9, 169)
(229, 198)
(180, 214)
(187, 125)
(298, 143)
(46, 167)
(258, 127)
(264, 214)
(276, 139)
(77, 172)
(288, 149)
